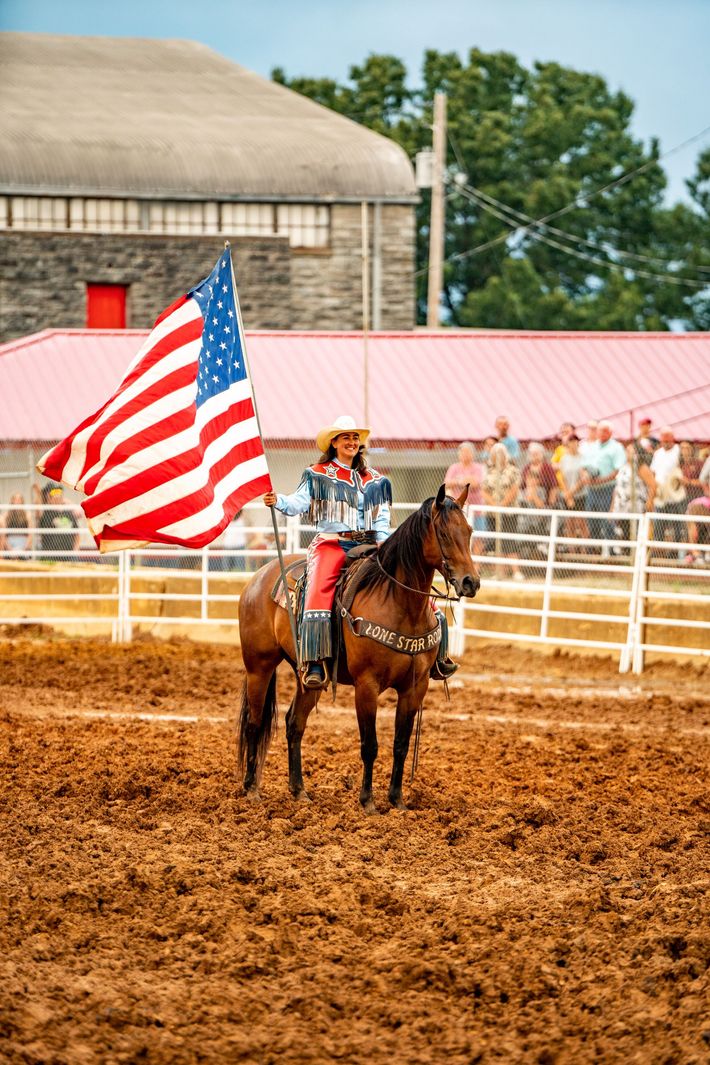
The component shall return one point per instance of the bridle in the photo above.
(433, 592)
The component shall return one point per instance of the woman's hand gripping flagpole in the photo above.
(277, 534)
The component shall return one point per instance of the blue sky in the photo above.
(655, 50)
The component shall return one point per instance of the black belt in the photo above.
(359, 537)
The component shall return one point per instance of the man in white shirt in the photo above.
(588, 446)
(670, 493)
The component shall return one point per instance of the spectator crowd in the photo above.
(594, 479)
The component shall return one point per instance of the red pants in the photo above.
(324, 562)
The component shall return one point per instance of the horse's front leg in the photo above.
(366, 693)
(296, 718)
(257, 720)
(408, 704)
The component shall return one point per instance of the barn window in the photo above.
(305, 224)
(39, 212)
(248, 219)
(104, 215)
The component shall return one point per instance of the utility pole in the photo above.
(436, 224)
(365, 250)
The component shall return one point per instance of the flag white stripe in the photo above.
(178, 487)
(178, 443)
(187, 312)
(167, 405)
(210, 516)
(178, 359)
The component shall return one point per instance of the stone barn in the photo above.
(127, 162)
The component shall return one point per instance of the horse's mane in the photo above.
(403, 547)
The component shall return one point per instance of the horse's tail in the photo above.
(267, 724)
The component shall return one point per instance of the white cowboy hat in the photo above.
(343, 424)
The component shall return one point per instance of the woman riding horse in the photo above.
(348, 502)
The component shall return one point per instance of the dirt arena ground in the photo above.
(543, 900)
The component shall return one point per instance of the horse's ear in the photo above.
(440, 496)
(462, 498)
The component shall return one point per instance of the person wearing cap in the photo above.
(645, 443)
(645, 446)
(349, 504)
(58, 528)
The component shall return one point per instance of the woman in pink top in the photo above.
(468, 472)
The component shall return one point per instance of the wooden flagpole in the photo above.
(277, 535)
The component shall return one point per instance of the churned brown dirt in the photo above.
(543, 900)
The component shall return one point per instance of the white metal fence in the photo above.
(644, 588)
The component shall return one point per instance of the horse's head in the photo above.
(452, 543)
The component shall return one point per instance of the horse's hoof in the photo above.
(301, 796)
(398, 804)
(368, 806)
(253, 794)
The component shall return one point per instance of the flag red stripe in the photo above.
(153, 392)
(171, 310)
(144, 526)
(61, 454)
(149, 434)
(165, 346)
(234, 503)
(174, 465)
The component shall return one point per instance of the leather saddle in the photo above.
(295, 575)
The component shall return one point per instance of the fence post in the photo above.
(127, 626)
(632, 634)
(643, 548)
(457, 639)
(204, 585)
(117, 625)
(124, 588)
(549, 573)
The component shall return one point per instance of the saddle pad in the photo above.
(294, 574)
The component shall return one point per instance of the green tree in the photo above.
(696, 231)
(525, 144)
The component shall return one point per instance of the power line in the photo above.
(583, 198)
(572, 236)
(669, 278)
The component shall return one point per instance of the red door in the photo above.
(106, 306)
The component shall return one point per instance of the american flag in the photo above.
(176, 451)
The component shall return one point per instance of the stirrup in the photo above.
(443, 668)
(315, 676)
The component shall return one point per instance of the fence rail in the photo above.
(652, 594)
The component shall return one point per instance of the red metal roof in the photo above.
(423, 386)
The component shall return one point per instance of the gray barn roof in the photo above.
(130, 116)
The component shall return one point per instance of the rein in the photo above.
(433, 592)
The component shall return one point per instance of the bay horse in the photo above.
(393, 589)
